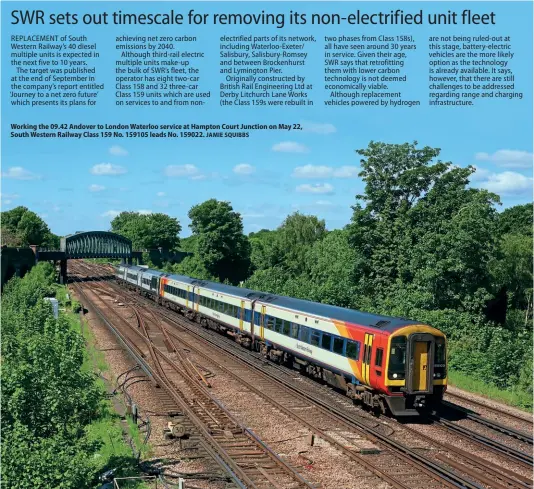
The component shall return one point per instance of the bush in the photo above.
(47, 398)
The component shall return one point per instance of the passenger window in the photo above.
(326, 341)
(304, 333)
(315, 337)
(353, 349)
(278, 325)
(378, 359)
(286, 328)
(269, 322)
(294, 330)
(256, 318)
(339, 343)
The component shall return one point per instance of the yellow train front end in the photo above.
(416, 369)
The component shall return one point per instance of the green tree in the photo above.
(512, 269)
(148, 231)
(330, 274)
(24, 227)
(221, 245)
(262, 249)
(295, 237)
(419, 231)
(47, 397)
(516, 220)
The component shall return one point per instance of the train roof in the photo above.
(135, 268)
(367, 319)
(241, 292)
(155, 273)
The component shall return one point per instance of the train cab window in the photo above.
(304, 334)
(440, 358)
(315, 338)
(353, 349)
(339, 343)
(326, 341)
(378, 358)
(294, 330)
(397, 358)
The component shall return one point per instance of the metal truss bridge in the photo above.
(96, 244)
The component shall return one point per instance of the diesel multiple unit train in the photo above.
(389, 364)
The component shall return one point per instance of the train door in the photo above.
(252, 307)
(366, 361)
(421, 347)
(187, 297)
(262, 323)
(241, 315)
(197, 298)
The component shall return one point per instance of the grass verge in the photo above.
(515, 398)
(108, 429)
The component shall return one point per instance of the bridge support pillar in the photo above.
(129, 260)
(63, 272)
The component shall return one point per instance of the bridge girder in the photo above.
(96, 244)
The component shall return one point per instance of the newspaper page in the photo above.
(266, 244)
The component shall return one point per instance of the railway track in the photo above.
(480, 469)
(488, 442)
(241, 454)
(491, 423)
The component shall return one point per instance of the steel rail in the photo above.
(490, 423)
(493, 445)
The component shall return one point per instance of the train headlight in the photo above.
(394, 376)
